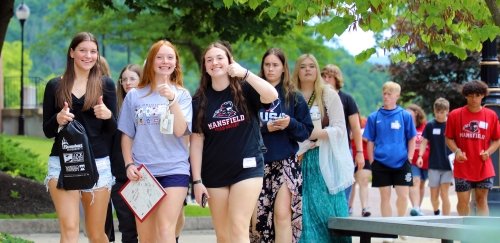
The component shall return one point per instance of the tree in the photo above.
(6, 13)
(189, 24)
(453, 27)
(432, 76)
(12, 72)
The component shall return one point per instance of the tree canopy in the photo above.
(453, 27)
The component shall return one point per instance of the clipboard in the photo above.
(144, 195)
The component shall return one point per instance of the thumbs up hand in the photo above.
(64, 116)
(101, 111)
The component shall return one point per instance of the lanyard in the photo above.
(310, 102)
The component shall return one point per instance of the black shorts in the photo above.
(387, 176)
(462, 185)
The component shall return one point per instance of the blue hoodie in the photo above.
(283, 144)
(390, 131)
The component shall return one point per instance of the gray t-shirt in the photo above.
(162, 154)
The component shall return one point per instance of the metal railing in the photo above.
(33, 91)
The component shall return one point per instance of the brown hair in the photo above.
(104, 66)
(206, 81)
(94, 83)
(441, 104)
(420, 116)
(120, 92)
(288, 87)
(475, 87)
(333, 70)
(148, 77)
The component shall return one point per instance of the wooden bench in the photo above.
(447, 228)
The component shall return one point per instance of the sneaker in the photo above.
(416, 212)
(437, 212)
(365, 212)
(350, 211)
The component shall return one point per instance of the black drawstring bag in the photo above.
(78, 168)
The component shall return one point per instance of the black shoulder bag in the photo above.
(78, 167)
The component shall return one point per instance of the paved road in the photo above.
(208, 236)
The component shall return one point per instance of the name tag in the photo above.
(436, 131)
(483, 125)
(167, 123)
(249, 162)
(395, 125)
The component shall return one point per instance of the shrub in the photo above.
(19, 161)
(6, 238)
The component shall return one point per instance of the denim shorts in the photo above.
(106, 179)
(416, 171)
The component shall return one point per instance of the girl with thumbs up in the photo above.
(81, 94)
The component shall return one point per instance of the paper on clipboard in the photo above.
(142, 196)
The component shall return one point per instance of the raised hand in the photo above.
(64, 116)
(165, 91)
(235, 70)
(101, 111)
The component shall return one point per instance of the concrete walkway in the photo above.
(199, 232)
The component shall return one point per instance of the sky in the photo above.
(357, 41)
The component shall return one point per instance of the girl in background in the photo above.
(128, 79)
(327, 166)
(284, 124)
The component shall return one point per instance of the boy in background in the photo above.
(391, 143)
(440, 171)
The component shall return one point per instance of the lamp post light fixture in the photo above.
(22, 13)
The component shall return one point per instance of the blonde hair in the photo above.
(392, 87)
(334, 71)
(319, 84)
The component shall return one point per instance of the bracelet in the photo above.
(128, 165)
(246, 75)
(359, 151)
(173, 98)
(197, 182)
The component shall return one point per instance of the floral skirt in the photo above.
(277, 173)
(318, 204)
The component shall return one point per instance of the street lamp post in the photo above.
(22, 13)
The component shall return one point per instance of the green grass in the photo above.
(189, 211)
(29, 216)
(42, 147)
(196, 211)
(37, 145)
